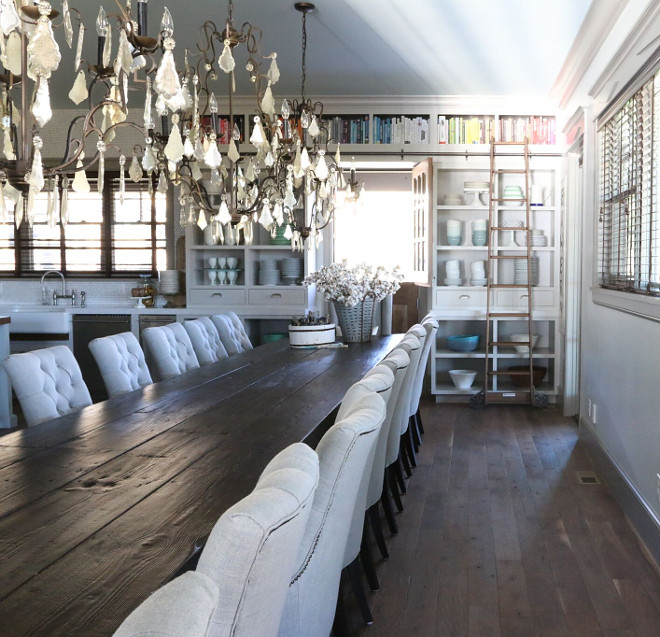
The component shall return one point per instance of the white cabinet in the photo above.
(459, 302)
(249, 279)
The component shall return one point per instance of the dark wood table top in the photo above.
(101, 507)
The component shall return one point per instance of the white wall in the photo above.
(620, 352)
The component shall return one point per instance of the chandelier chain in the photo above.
(304, 51)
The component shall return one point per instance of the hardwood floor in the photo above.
(499, 538)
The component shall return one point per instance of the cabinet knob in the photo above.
(218, 294)
(464, 296)
(275, 295)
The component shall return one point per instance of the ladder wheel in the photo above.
(539, 400)
(478, 400)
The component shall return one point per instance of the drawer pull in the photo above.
(275, 295)
(524, 296)
(464, 296)
(218, 294)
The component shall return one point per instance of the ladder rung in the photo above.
(507, 315)
(510, 171)
(508, 343)
(505, 228)
(506, 372)
(505, 256)
(509, 199)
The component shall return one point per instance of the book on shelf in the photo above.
(459, 129)
(536, 129)
(401, 129)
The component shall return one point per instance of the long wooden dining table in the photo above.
(101, 507)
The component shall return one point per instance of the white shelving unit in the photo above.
(461, 309)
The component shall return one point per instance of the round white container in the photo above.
(301, 335)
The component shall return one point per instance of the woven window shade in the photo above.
(629, 232)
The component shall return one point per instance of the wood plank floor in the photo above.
(499, 538)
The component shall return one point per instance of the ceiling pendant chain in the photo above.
(304, 50)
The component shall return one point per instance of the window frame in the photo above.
(106, 269)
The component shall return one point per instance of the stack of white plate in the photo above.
(453, 200)
(168, 281)
(520, 271)
(268, 273)
(478, 186)
(291, 270)
(453, 281)
(538, 239)
(478, 282)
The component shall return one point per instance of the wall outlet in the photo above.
(657, 485)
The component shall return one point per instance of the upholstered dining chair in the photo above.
(120, 360)
(170, 350)
(232, 333)
(343, 454)
(431, 327)
(180, 608)
(205, 340)
(252, 549)
(380, 488)
(394, 456)
(47, 383)
(378, 380)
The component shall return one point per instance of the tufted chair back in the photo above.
(181, 607)
(252, 550)
(232, 333)
(47, 383)
(343, 453)
(398, 361)
(121, 362)
(205, 340)
(170, 350)
(430, 326)
(378, 380)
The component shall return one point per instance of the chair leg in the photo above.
(403, 454)
(407, 450)
(398, 472)
(372, 519)
(387, 506)
(412, 428)
(418, 418)
(367, 559)
(411, 448)
(355, 576)
(394, 488)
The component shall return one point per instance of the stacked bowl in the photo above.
(478, 271)
(291, 270)
(520, 271)
(452, 272)
(538, 239)
(514, 194)
(479, 232)
(268, 273)
(454, 232)
(168, 281)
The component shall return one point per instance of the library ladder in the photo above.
(495, 390)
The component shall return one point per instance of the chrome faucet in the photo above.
(63, 295)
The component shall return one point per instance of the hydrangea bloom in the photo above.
(351, 285)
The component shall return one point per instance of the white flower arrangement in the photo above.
(352, 285)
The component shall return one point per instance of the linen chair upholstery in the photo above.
(170, 350)
(343, 452)
(378, 380)
(430, 326)
(252, 549)
(205, 340)
(47, 383)
(120, 360)
(412, 346)
(398, 361)
(181, 608)
(232, 333)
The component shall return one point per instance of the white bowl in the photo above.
(462, 378)
(523, 349)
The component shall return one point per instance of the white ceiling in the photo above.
(392, 47)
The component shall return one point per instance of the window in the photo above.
(102, 237)
(629, 223)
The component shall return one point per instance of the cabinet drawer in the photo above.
(460, 298)
(218, 297)
(515, 298)
(278, 296)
